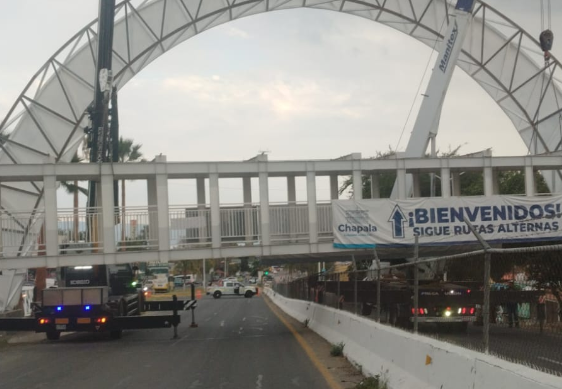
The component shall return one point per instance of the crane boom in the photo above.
(427, 121)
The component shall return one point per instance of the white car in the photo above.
(231, 288)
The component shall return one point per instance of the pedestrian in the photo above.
(512, 314)
(541, 311)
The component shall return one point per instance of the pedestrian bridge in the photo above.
(50, 236)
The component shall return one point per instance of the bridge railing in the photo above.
(79, 230)
(190, 226)
(288, 223)
(136, 227)
(20, 233)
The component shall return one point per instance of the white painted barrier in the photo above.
(410, 361)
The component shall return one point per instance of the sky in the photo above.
(296, 84)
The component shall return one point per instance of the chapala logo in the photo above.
(398, 219)
(357, 221)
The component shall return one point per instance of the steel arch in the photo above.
(48, 117)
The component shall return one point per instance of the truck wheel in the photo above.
(249, 294)
(115, 334)
(53, 335)
(217, 294)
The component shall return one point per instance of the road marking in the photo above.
(258, 382)
(315, 361)
(222, 323)
(240, 331)
(550, 360)
(244, 319)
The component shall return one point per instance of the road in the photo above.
(239, 344)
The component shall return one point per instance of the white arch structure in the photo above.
(49, 116)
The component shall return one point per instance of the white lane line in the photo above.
(240, 331)
(222, 323)
(244, 319)
(258, 382)
(550, 360)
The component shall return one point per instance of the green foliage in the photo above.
(376, 382)
(337, 349)
(471, 182)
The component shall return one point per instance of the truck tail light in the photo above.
(464, 311)
(101, 320)
(472, 311)
(421, 311)
(413, 311)
(44, 320)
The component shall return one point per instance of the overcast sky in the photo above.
(299, 84)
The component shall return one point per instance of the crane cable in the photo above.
(546, 39)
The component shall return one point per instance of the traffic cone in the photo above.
(198, 294)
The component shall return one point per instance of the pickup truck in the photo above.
(231, 288)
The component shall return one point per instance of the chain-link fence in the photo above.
(515, 315)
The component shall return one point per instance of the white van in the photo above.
(186, 278)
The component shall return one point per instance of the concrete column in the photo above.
(456, 184)
(248, 215)
(215, 209)
(488, 181)
(201, 201)
(152, 194)
(401, 181)
(312, 210)
(416, 184)
(247, 190)
(158, 196)
(357, 185)
(445, 182)
(51, 217)
(495, 182)
(202, 205)
(108, 213)
(375, 186)
(334, 190)
(264, 209)
(291, 190)
(529, 181)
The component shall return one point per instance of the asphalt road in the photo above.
(239, 344)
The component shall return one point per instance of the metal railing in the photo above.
(288, 223)
(516, 315)
(136, 228)
(80, 230)
(20, 233)
(190, 226)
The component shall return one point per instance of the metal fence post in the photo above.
(339, 292)
(378, 313)
(416, 285)
(486, 308)
(354, 284)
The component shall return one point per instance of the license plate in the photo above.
(61, 327)
(83, 320)
(61, 321)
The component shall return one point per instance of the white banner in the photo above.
(438, 221)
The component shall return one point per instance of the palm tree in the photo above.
(75, 189)
(128, 152)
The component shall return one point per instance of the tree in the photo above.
(472, 182)
(128, 152)
(75, 190)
